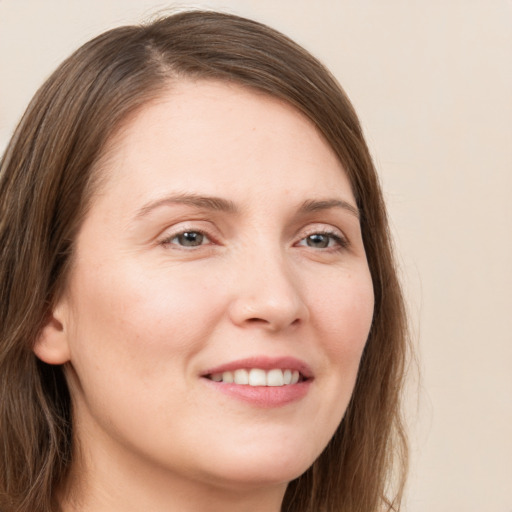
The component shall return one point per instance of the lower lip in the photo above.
(263, 396)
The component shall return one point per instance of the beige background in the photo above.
(432, 82)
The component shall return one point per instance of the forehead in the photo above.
(218, 134)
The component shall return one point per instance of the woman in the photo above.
(199, 303)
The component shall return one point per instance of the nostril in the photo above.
(257, 321)
(263, 322)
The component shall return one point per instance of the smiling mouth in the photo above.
(258, 377)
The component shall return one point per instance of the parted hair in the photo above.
(48, 175)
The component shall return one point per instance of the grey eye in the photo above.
(190, 239)
(323, 241)
(318, 241)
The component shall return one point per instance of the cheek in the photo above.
(133, 335)
(343, 319)
(139, 318)
(341, 316)
(343, 313)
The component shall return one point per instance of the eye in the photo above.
(323, 240)
(187, 239)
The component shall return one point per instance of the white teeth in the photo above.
(227, 377)
(241, 377)
(275, 378)
(257, 377)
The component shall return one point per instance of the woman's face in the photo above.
(224, 244)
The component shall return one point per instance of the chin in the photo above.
(265, 468)
(247, 476)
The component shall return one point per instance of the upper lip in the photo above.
(263, 363)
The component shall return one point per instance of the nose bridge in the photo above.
(267, 291)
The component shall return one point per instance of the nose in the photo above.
(267, 294)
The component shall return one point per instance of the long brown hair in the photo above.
(46, 181)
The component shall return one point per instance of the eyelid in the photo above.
(184, 227)
(328, 230)
(192, 226)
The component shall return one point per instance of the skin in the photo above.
(143, 317)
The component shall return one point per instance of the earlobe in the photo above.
(51, 345)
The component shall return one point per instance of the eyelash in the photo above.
(169, 239)
(340, 242)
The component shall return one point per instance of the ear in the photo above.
(52, 344)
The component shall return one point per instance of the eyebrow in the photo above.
(327, 204)
(217, 204)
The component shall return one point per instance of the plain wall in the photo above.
(432, 82)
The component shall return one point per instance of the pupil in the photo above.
(191, 238)
(321, 241)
